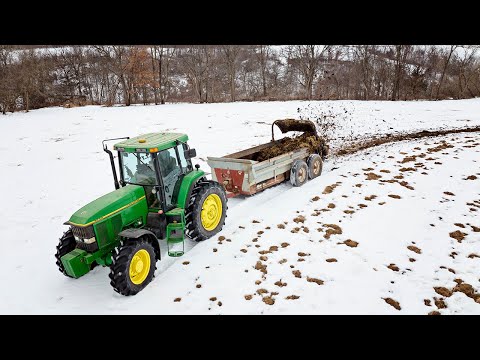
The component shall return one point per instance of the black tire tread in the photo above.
(194, 207)
(119, 269)
(66, 244)
(310, 161)
(294, 172)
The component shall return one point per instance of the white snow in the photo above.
(52, 164)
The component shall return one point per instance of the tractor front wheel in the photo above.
(65, 245)
(133, 266)
(207, 210)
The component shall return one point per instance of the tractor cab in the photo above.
(158, 162)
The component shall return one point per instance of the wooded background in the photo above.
(40, 76)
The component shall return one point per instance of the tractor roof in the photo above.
(151, 142)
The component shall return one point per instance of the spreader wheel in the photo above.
(299, 173)
(315, 165)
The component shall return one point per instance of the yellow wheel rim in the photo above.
(139, 266)
(211, 212)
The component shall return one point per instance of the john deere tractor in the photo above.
(159, 196)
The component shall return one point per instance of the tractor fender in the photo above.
(188, 183)
(133, 233)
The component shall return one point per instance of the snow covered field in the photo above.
(52, 164)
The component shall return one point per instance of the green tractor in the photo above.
(159, 196)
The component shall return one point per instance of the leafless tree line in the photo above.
(107, 75)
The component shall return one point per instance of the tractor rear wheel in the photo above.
(207, 210)
(133, 266)
(65, 245)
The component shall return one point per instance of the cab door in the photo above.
(173, 167)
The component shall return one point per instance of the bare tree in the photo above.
(212, 73)
(449, 54)
(28, 77)
(156, 84)
(466, 62)
(7, 87)
(195, 62)
(116, 59)
(164, 56)
(262, 54)
(307, 59)
(364, 56)
(72, 82)
(230, 53)
(400, 60)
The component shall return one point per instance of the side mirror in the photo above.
(190, 153)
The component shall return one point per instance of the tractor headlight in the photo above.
(89, 241)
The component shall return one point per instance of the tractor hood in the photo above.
(107, 205)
